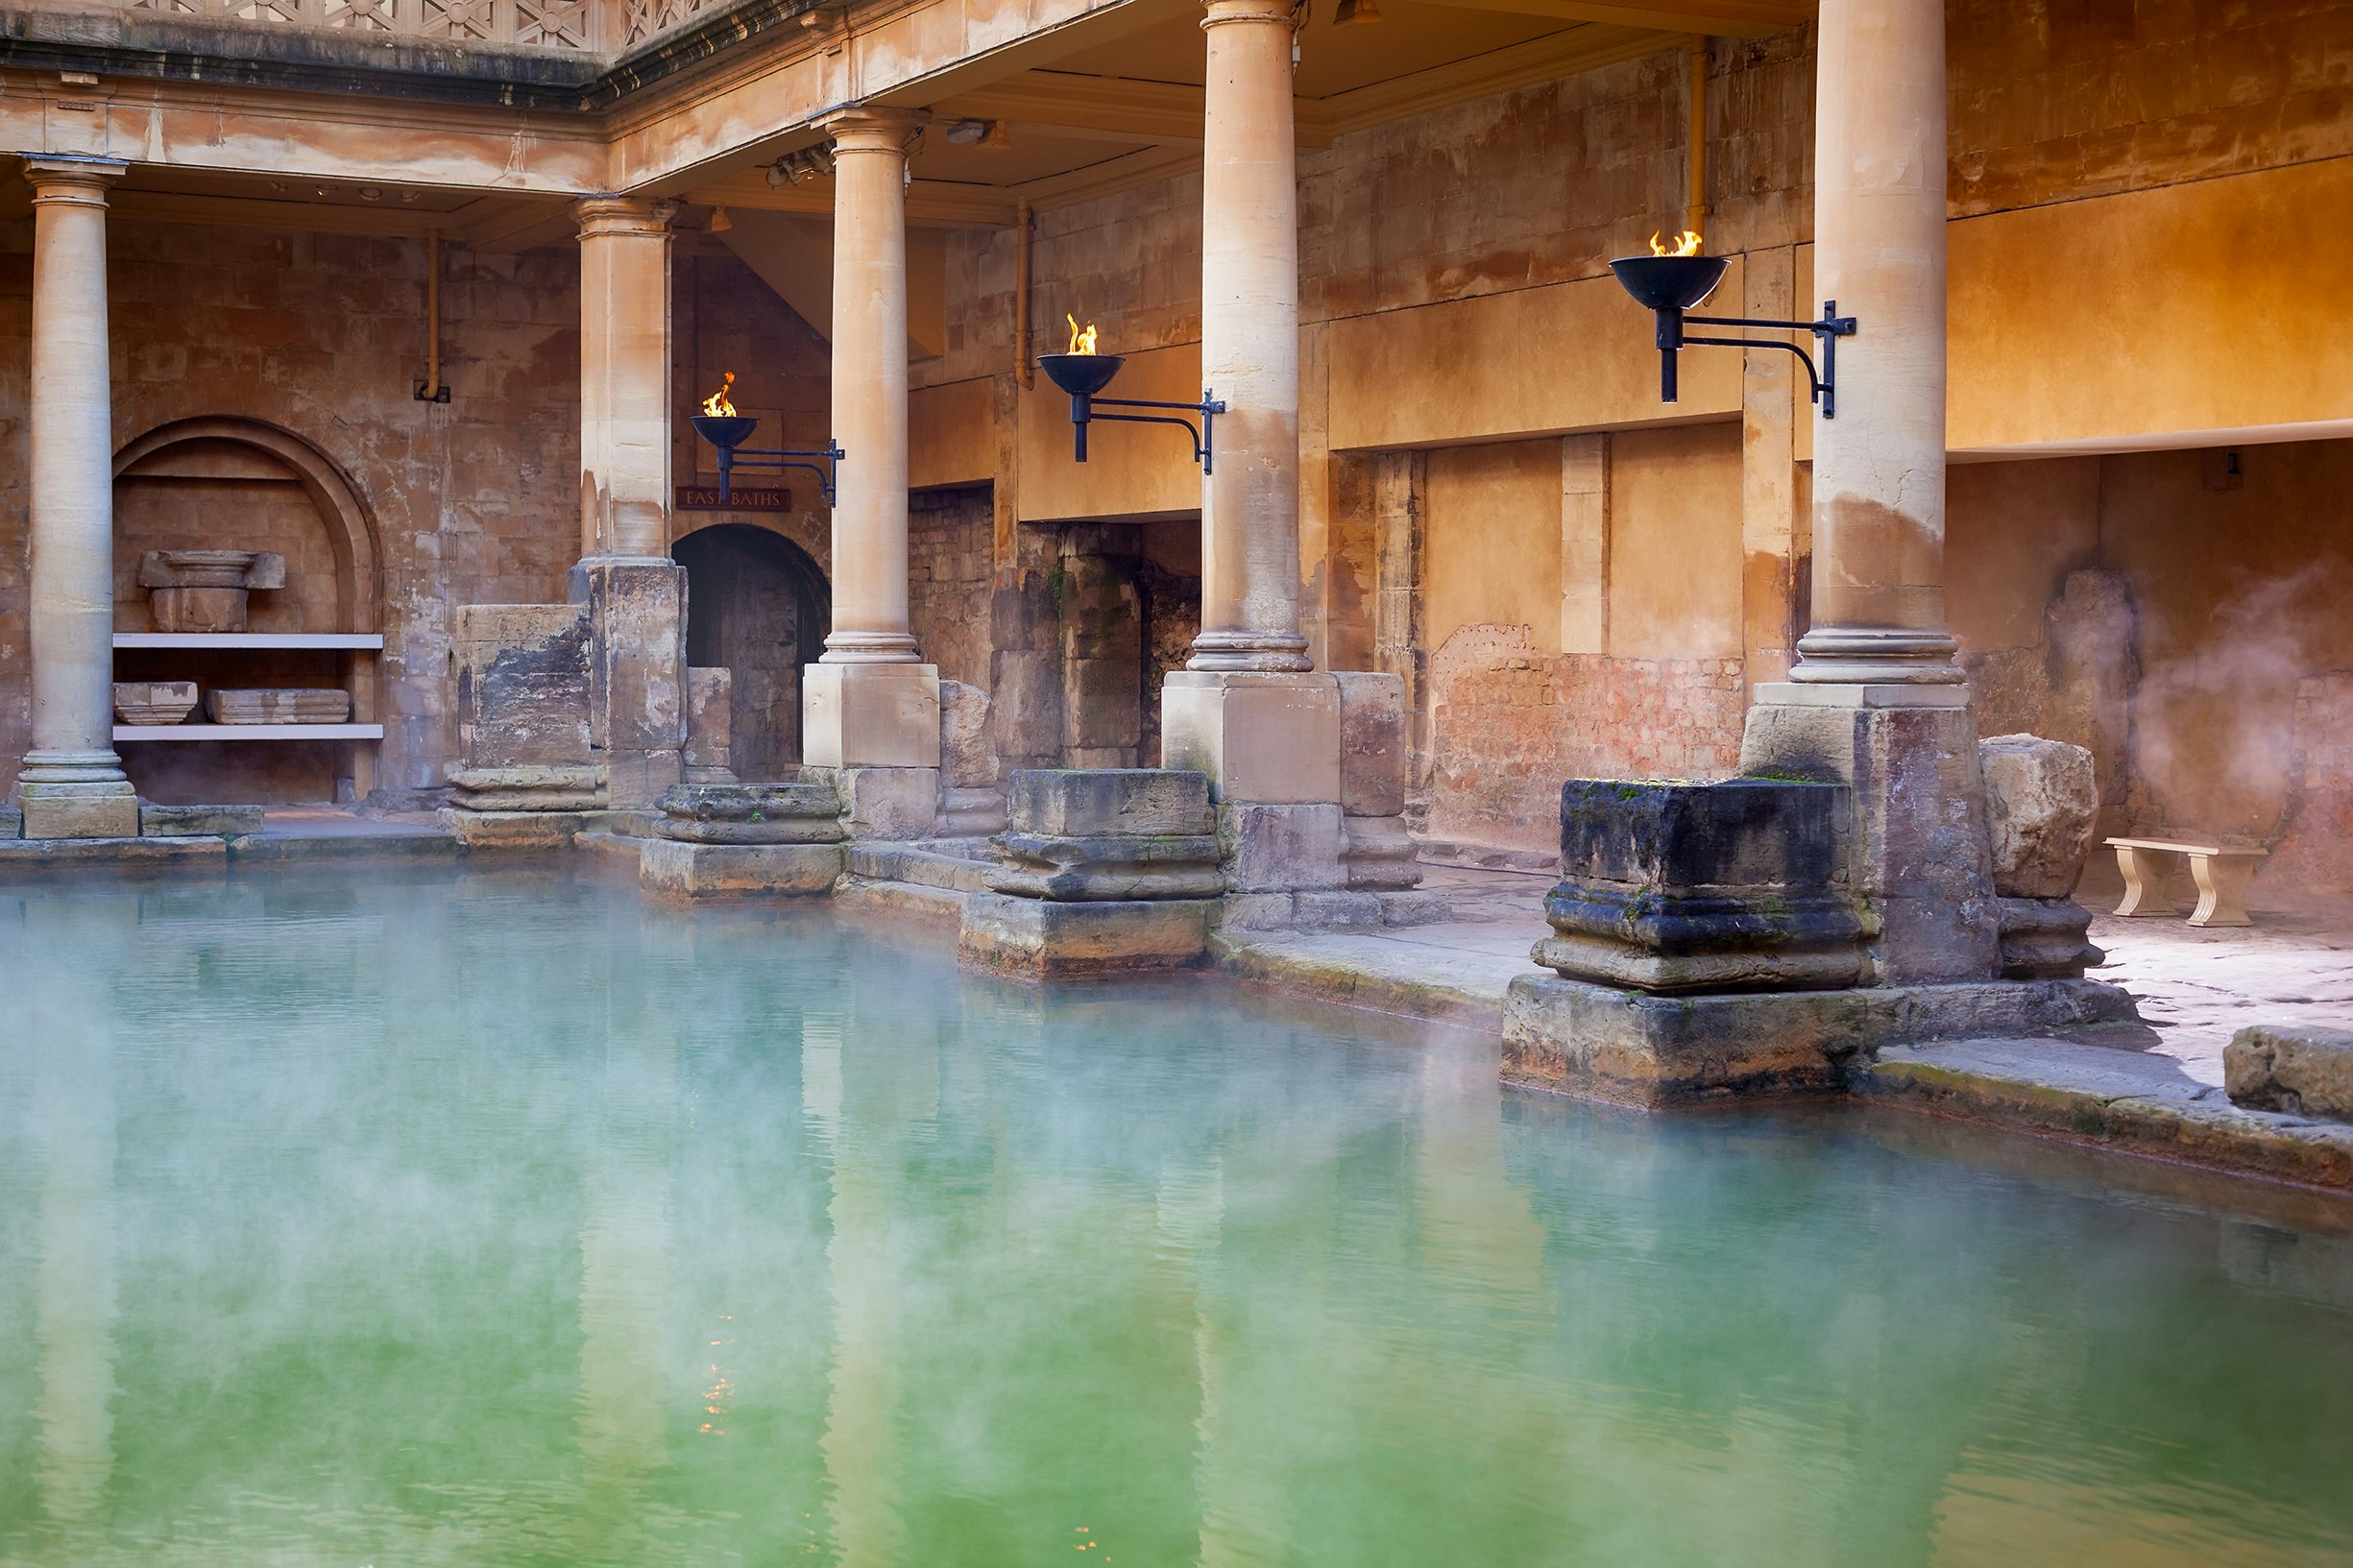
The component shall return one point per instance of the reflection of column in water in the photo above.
(857, 1441)
(625, 1240)
(68, 1025)
(1191, 1219)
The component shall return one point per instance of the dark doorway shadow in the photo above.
(758, 607)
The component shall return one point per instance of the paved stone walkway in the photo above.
(2155, 1089)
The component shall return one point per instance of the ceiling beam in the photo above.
(931, 203)
(1731, 18)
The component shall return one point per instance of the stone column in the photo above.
(1878, 540)
(625, 376)
(635, 593)
(870, 705)
(72, 781)
(1246, 710)
(1876, 700)
(1251, 343)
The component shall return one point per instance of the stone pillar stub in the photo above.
(1919, 852)
(636, 675)
(1251, 343)
(1261, 737)
(624, 375)
(1880, 252)
(72, 782)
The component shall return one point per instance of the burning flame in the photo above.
(1685, 244)
(1082, 342)
(717, 403)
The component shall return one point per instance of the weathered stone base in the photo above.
(673, 869)
(1046, 940)
(517, 829)
(22, 855)
(890, 803)
(2301, 1070)
(198, 821)
(80, 810)
(1638, 1050)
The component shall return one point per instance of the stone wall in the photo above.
(948, 533)
(1511, 722)
(473, 501)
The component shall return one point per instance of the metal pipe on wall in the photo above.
(1695, 141)
(1025, 221)
(430, 389)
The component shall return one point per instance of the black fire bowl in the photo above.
(1670, 282)
(725, 429)
(1081, 375)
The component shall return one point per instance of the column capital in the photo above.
(603, 215)
(63, 177)
(861, 128)
(1269, 11)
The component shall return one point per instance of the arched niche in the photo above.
(214, 483)
(758, 605)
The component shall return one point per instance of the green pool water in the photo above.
(441, 1218)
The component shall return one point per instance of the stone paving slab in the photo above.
(2141, 1101)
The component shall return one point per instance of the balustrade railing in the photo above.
(593, 26)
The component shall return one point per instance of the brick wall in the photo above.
(1508, 723)
(948, 542)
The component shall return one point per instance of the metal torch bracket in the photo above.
(825, 462)
(1082, 406)
(1826, 332)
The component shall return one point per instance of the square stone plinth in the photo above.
(1603, 1042)
(1268, 738)
(700, 871)
(1047, 940)
(870, 715)
(80, 810)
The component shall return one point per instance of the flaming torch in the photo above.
(1083, 371)
(720, 424)
(1674, 277)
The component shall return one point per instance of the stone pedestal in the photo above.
(1103, 872)
(1673, 888)
(717, 840)
(2042, 807)
(206, 590)
(101, 809)
(1267, 737)
(870, 715)
(637, 654)
(883, 803)
(1375, 849)
(1917, 854)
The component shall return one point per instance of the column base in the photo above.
(885, 803)
(1918, 850)
(86, 809)
(1875, 656)
(870, 715)
(1268, 738)
(1259, 652)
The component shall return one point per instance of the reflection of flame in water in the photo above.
(1082, 342)
(717, 403)
(1686, 242)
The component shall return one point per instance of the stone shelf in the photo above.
(372, 640)
(249, 732)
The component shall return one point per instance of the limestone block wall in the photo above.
(322, 336)
(948, 544)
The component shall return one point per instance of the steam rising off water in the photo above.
(487, 1219)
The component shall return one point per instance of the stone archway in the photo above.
(221, 482)
(269, 452)
(756, 606)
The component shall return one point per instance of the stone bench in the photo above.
(2220, 870)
